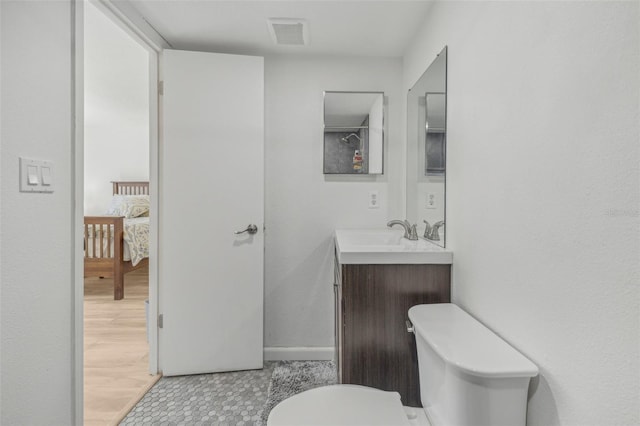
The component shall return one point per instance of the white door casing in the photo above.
(211, 184)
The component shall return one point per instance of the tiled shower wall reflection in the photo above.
(338, 155)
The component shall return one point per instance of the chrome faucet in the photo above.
(410, 232)
(431, 231)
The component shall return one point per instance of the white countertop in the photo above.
(386, 246)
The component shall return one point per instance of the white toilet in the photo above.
(468, 376)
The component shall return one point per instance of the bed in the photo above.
(115, 245)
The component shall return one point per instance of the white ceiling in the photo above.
(347, 27)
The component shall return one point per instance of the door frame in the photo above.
(127, 18)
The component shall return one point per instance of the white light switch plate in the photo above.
(32, 178)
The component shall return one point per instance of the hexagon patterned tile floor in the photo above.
(235, 398)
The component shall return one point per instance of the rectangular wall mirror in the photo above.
(353, 132)
(426, 151)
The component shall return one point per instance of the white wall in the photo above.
(36, 243)
(116, 109)
(543, 191)
(302, 206)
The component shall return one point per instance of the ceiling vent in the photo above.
(289, 31)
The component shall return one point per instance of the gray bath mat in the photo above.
(292, 377)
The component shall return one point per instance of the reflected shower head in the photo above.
(346, 138)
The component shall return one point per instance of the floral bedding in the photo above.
(136, 236)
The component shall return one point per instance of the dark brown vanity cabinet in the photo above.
(372, 343)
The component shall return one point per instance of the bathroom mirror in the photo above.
(353, 132)
(426, 149)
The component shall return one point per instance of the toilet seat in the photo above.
(340, 405)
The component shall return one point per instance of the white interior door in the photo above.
(211, 184)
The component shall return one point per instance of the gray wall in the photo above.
(116, 109)
(302, 205)
(36, 344)
(543, 187)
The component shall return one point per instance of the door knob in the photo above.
(251, 229)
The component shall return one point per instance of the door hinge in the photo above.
(160, 320)
(161, 87)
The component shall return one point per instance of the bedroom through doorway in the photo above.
(117, 208)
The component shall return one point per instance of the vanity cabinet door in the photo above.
(376, 348)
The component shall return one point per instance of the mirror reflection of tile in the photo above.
(435, 154)
(339, 155)
(353, 133)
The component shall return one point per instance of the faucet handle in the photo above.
(413, 233)
(427, 230)
(435, 236)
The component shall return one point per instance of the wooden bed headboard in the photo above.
(130, 188)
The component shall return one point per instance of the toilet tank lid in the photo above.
(462, 341)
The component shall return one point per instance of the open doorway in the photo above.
(119, 341)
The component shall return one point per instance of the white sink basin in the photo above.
(386, 246)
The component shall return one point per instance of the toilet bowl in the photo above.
(345, 405)
(468, 376)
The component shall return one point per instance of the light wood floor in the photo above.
(116, 353)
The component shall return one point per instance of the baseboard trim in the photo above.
(311, 353)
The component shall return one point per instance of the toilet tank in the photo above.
(468, 375)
